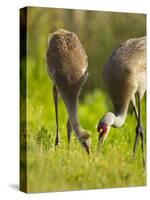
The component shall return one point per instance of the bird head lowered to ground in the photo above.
(104, 127)
(85, 139)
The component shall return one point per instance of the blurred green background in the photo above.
(99, 32)
(50, 170)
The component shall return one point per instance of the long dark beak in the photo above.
(100, 140)
(86, 148)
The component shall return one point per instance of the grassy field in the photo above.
(72, 169)
(62, 169)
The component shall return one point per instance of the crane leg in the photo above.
(134, 107)
(69, 129)
(55, 95)
(139, 132)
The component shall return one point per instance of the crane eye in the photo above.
(102, 128)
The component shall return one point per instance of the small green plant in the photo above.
(43, 138)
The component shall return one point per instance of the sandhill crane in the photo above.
(67, 67)
(125, 79)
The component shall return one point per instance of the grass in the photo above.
(72, 169)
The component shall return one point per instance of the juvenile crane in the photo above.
(125, 79)
(67, 67)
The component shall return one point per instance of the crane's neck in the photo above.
(119, 119)
(115, 120)
(71, 102)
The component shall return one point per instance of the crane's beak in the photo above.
(102, 136)
(87, 150)
(86, 144)
(100, 140)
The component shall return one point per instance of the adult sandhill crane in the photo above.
(67, 67)
(125, 79)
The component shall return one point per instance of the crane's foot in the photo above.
(85, 140)
(139, 133)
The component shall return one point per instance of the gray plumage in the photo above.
(125, 73)
(67, 67)
(125, 77)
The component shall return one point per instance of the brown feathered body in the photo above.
(66, 56)
(125, 73)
